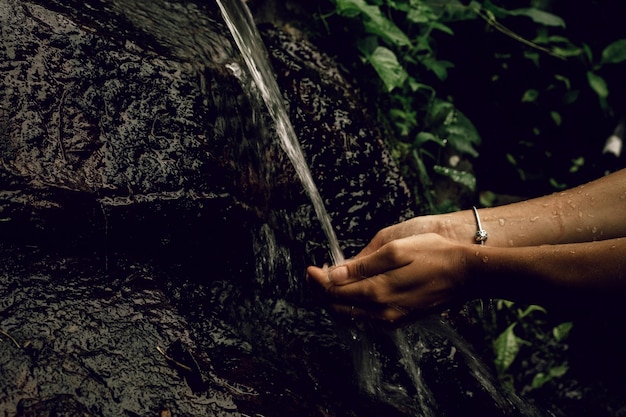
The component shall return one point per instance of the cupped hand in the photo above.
(403, 276)
(446, 225)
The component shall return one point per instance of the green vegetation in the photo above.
(527, 335)
(524, 92)
(435, 61)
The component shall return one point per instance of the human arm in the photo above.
(593, 211)
(414, 274)
(563, 248)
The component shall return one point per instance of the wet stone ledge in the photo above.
(75, 341)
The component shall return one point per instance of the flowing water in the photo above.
(379, 355)
(241, 24)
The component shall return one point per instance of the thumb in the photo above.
(341, 274)
(392, 255)
(354, 270)
(332, 276)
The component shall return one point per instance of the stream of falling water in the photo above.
(368, 358)
(241, 25)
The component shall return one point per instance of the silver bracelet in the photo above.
(481, 234)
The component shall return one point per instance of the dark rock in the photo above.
(154, 258)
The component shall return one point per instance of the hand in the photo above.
(458, 227)
(403, 276)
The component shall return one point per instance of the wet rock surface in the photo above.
(154, 236)
(77, 341)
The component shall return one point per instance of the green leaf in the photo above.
(421, 13)
(615, 52)
(530, 96)
(571, 96)
(568, 51)
(531, 308)
(556, 117)
(556, 184)
(375, 23)
(577, 164)
(506, 348)
(460, 177)
(421, 168)
(511, 159)
(423, 137)
(387, 31)
(460, 132)
(404, 120)
(414, 85)
(387, 66)
(440, 68)
(564, 79)
(443, 28)
(539, 16)
(598, 84)
(555, 372)
(533, 56)
(487, 198)
(561, 331)
(349, 8)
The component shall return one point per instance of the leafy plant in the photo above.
(399, 41)
(614, 53)
(404, 56)
(527, 330)
(406, 45)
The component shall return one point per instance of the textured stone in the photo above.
(150, 219)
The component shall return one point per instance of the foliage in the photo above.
(404, 43)
(528, 329)
(421, 122)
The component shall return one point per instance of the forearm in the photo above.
(594, 211)
(550, 274)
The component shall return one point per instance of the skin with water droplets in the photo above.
(544, 252)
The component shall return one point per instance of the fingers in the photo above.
(334, 276)
(391, 256)
(354, 313)
(335, 284)
(363, 272)
(363, 288)
(371, 297)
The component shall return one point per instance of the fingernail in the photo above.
(338, 274)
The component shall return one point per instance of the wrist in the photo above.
(486, 269)
(459, 226)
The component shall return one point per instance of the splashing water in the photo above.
(367, 360)
(408, 345)
(241, 24)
